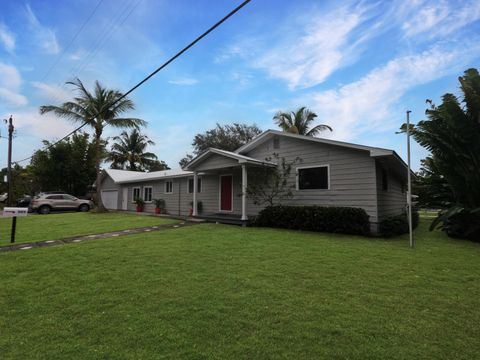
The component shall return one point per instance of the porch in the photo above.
(222, 218)
(229, 172)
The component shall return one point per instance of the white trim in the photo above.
(133, 192)
(311, 167)
(144, 197)
(220, 193)
(165, 187)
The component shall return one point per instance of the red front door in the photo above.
(226, 193)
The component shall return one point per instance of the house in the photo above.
(327, 173)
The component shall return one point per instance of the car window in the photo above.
(69, 197)
(55, 197)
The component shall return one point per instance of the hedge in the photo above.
(397, 225)
(345, 220)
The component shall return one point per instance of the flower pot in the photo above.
(139, 208)
(158, 210)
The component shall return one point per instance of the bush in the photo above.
(397, 225)
(343, 220)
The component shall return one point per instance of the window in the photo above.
(384, 180)
(69, 197)
(55, 197)
(147, 193)
(135, 193)
(190, 185)
(168, 187)
(313, 178)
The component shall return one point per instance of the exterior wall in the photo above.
(216, 162)
(352, 174)
(392, 201)
(108, 184)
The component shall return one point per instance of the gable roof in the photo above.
(242, 159)
(127, 176)
(374, 151)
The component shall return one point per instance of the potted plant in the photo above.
(139, 202)
(159, 205)
(199, 207)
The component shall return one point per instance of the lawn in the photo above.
(224, 292)
(36, 227)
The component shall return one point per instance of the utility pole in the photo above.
(409, 192)
(9, 165)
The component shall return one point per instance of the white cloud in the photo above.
(48, 126)
(7, 38)
(439, 18)
(314, 50)
(369, 104)
(10, 83)
(53, 93)
(183, 81)
(45, 36)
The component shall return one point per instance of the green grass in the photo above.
(222, 292)
(62, 225)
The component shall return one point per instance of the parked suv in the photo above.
(44, 203)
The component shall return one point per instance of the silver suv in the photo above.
(44, 203)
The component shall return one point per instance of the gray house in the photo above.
(326, 173)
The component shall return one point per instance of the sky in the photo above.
(358, 64)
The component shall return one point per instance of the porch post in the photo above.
(244, 192)
(195, 183)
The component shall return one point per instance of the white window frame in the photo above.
(144, 197)
(133, 192)
(165, 187)
(199, 189)
(297, 176)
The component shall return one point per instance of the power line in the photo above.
(165, 64)
(72, 40)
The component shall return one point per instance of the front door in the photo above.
(226, 192)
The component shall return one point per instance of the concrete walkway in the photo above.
(108, 235)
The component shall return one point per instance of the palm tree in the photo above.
(128, 151)
(97, 109)
(298, 122)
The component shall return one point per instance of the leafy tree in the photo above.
(431, 187)
(98, 109)
(452, 135)
(156, 165)
(129, 152)
(66, 166)
(270, 185)
(223, 137)
(299, 122)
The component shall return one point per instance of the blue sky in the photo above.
(358, 64)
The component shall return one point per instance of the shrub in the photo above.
(397, 225)
(344, 220)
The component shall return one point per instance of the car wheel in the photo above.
(44, 210)
(84, 207)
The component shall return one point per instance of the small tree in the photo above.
(270, 185)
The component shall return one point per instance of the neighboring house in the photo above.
(330, 173)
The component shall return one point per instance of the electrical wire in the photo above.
(165, 64)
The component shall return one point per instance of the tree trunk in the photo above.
(100, 207)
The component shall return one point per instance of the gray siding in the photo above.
(352, 174)
(216, 162)
(392, 201)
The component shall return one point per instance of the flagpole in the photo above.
(409, 192)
